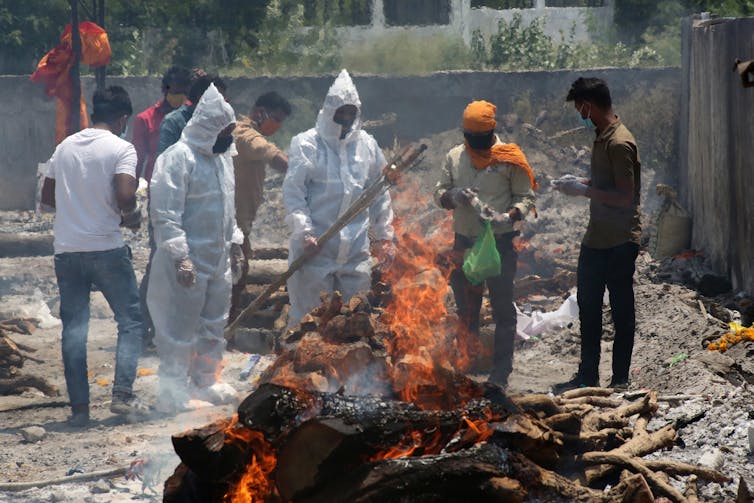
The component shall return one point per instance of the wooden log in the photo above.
(636, 447)
(597, 401)
(637, 466)
(265, 272)
(568, 422)
(538, 403)
(691, 491)
(581, 392)
(682, 469)
(18, 384)
(608, 438)
(318, 449)
(280, 253)
(632, 489)
(206, 453)
(618, 417)
(452, 478)
(24, 326)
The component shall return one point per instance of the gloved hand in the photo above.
(131, 219)
(185, 272)
(461, 196)
(488, 213)
(310, 243)
(384, 252)
(237, 260)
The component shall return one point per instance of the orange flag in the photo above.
(55, 67)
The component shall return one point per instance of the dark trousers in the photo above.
(469, 301)
(148, 325)
(612, 268)
(113, 274)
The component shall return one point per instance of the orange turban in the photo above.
(479, 117)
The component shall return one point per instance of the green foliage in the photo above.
(405, 54)
(517, 46)
(286, 46)
(298, 36)
(27, 31)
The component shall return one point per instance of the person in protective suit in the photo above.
(485, 171)
(198, 243)
(329, 166)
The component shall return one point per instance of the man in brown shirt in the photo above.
(611, 242)
(255, 153)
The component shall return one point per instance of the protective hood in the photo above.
(342, 92)
(212, 115)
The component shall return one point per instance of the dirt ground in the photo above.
(668, 358)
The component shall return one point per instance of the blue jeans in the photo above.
(113, 274)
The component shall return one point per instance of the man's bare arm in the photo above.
(125, 191)
(280, 162)
(48, 192)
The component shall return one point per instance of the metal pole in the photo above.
(101, 71)
(75, 123)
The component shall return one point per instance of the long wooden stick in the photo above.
(405, 160)
(81, 477)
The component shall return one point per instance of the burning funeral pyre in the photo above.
(368, 401)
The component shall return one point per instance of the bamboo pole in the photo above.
(405, 160)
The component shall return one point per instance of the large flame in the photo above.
(426, 343)
(255, 485)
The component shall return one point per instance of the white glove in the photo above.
(493, 216)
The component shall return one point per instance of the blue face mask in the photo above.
(587, 123)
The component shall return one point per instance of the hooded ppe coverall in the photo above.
(325, 176)
(193, 213)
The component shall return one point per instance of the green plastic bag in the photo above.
(482, 261)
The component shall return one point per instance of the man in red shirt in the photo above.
(146, 135)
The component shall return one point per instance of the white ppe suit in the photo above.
(192, 211)
(325, 176)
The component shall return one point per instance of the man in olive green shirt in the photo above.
(611, 242)
(486, 172)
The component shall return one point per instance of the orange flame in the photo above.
(480, 427)
(255, 485)
(424, 339)
(521, 244)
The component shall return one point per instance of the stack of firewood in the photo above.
(333, 448)
(328, 424)
(12, 358)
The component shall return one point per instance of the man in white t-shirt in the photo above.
(92, 184)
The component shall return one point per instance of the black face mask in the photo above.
(222, 144)
(480, 142)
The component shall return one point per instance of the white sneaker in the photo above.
(219, 393)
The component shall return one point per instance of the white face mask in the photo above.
(124, 133)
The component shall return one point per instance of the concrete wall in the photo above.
(414, 106)
(464, 21)
(716, 142)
